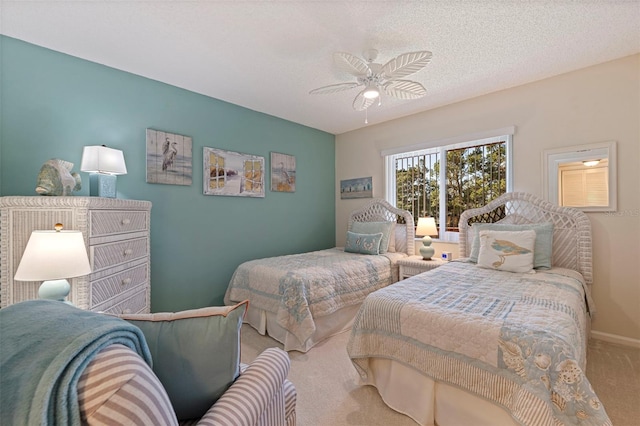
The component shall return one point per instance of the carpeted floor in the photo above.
(329, 393)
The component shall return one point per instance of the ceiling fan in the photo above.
(377, 78)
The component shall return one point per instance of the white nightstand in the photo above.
(414, 265)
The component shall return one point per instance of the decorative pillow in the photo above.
(507, 250)
(363, 243)
(544, 240)
(374, 228)
(195, 353)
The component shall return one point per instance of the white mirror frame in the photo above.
(553, 158)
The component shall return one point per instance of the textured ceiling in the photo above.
(268, 55)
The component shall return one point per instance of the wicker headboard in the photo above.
(571, 227)
(379, 210)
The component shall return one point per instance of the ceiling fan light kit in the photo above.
(371, 92)
(377, 78)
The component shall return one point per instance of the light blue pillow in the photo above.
(374, 228)
(195, 353)
(542, 251)
(363, 243)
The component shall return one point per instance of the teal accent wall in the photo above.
(53, 105)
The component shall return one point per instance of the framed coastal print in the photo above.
(356, 188)
(283, 172)
(232, 173)
(169, 158)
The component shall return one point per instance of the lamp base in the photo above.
(426, 250)
(102, 185)
(54, 290)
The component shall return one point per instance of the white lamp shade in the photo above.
(101, 159)
(426, 226)
(52, 255)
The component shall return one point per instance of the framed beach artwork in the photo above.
(356, 188)
(169, 158)
(232, 173)
(283, 172)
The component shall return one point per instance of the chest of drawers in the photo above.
(116, 233)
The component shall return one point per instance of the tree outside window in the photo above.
(471, 175)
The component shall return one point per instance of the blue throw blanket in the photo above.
(45, 347)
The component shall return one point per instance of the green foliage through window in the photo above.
(473, 176)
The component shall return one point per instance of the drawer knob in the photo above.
(128, 251)
(126, 221)
(126, 281)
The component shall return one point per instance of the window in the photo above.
(444, 181)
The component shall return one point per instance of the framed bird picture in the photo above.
(169, 158)
(283, 172)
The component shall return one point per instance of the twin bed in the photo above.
(302, 299)
(470, 342)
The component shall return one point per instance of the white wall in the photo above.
(595, 104)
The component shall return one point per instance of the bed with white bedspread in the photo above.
(301, 299)
(465, 344)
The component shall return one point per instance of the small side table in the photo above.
(414, 265)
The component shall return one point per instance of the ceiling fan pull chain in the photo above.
(366, 116)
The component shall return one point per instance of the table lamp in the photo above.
(52, 257)
(427, 227)
(103, 165)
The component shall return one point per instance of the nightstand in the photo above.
(414, 265)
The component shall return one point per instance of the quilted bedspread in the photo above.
(518, 340)
(301, 287)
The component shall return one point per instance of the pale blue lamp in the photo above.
(427, 227)
(52, 257)
(103, 165)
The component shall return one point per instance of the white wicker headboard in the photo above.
(379, 210)
(571, 227)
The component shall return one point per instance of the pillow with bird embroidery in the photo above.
(511, 251)
(543, 250)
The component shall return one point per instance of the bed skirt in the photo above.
(429, 402)
(265, 323)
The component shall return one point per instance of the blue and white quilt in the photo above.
(301, 287)
(516, 339)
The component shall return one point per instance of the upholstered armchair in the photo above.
(60, 365)
(131, 394)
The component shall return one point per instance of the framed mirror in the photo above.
(582, 176)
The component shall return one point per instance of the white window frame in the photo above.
(441, 147)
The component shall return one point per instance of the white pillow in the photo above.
(507, 250)
(392, 238)
(401, 238)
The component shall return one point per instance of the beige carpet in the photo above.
(329, 393)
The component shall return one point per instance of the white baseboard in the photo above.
(614, 338)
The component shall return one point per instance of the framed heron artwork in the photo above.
(169, 158)
(283, 172)
(232, 173)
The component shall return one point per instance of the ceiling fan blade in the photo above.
(333, 88)
(405, 89)
(351, 64)
(406, 64)
(360, 103)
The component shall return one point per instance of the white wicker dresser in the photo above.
(116, 233)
